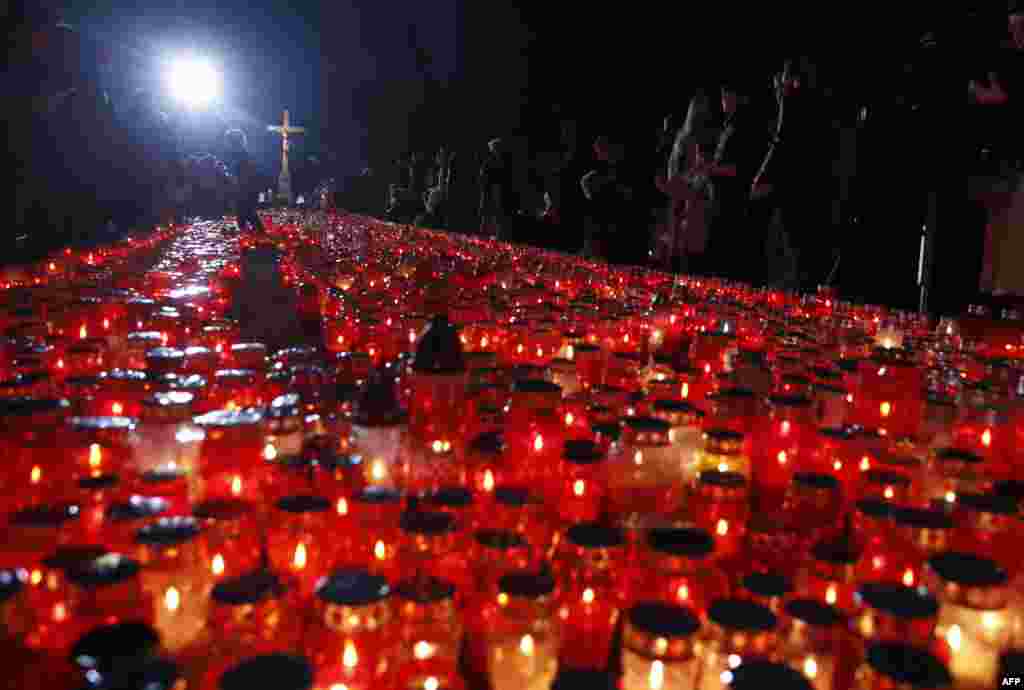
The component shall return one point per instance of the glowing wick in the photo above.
(217, 567)
(526, 645)
(722, 528)
(236, 486)
(588, 596)
(656, 679)
(488, 481)
(350, 658)
(538, 443)
(578, 487)
(830, 595)
(380, 551)
(95, 456)
(172, 599)
(269, 452)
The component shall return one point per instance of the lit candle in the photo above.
(658, 648)
(523, 662)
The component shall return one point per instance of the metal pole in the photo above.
(926, 256)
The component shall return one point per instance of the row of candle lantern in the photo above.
(723, 456)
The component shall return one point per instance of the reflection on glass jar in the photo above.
(660, 646)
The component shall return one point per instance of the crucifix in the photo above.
(284, 181)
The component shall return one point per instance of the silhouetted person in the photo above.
(496, 209)
(611, 211)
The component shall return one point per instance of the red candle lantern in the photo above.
(439, 385)
(229, 543)
(580, 490)
(347, 642)
(117, 653)
(768, 589)
(813, 504)
(373, 535)
(676, 568)
(108, 589)
(895, 665)
(830, 574)
(591, 570)
(36, 531)
(428, 632)
(644, 478)
(895, 613)
(297, 541)
(720, 505)
(231, 455)
(739, 631)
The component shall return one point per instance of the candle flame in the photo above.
(656, 679)
(579, 487)
(269, 452)
(810, 667)
(785, 427)
(782, 457)
(683, 593)
(588, 596)
(569, 419)
(423, 650)
(488, 481)
(60, 612)
(36, 474)
(734, 660)
(377, 470)
(888, 493)
(95, 456)
(722, 528)
(986, 438)
(954, 637)
(538, 443)
(236, 486)
(36, 577)
(865, 464)
(172, 599)
(350, 658)
(950, 497)
(380, 551)
(299, 560)
(431, 683)
(502, 599)
(878, 562)
(83, 332)
(106, 324)
(849, 398)
(831, 595)
(217, 567)
(990, 620)
(526, 645)
(342, 506)
(540, 352)
(908, 577)
(684, 393)
(60, 363)
(519, 349)
(117, 408)
(885, 409)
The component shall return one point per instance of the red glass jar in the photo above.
(229, 543)
(895, 613)
(231, 455)
(298, 542)
(720, 505)
(830, 573)
(579, 491)
(372, 534)
(431, 546)
(347, 641)
(675, 566)
(107, 589)
(591, 569)
(428, 633)
(813, 505)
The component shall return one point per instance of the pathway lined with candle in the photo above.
(358, 455)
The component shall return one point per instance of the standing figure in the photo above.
(284, 181)
(494, 192)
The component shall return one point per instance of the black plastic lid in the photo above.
(279, 671)
(611, 430)
(739, 614)
(501, 540)
(922, 518)
(790, 400)
(109, 569)
(678, 406)
(69, 557)
(24, 407)
(735, 392)
(820, 482)
(898, 600)
(168, 532)
(512, 495)
(425, 590)
(837, 433)
(591, 535)
(250, 588)
(726, 480)
(530, 585)
(838, 552)
(681, 541)
(814, 612)
(663, 620)
(647, 425)
(768, 585)
(352, 588)
(222, 509)
(536, 386)
(1013, 488)
(304, 504)
(106, 648)
(137, 508)
(760, 675)
(164, 475)
(583, 679)
(998, 504)
(427, 523)
(45, 516)
(909, 665)
(378, 495)
(886, 477)
(489, 443)
(968, 569)
(960, 455)
(874, 507)
(152, 674)
(10, 584)
(582, 452)
(104, 481)
(723, 435)
(450, 497)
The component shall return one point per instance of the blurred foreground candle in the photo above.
(429, 632)
(811, 634)
(289, 672)
(659, 647)
(298, 542)
(644, 479)
(172, 577)
(900, 666)
(523, 641)
(759, 674)
(108, 654)
(974, 619)
(893, 612)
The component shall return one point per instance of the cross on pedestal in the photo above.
(284, 180)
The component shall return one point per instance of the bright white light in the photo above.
(194, 82)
